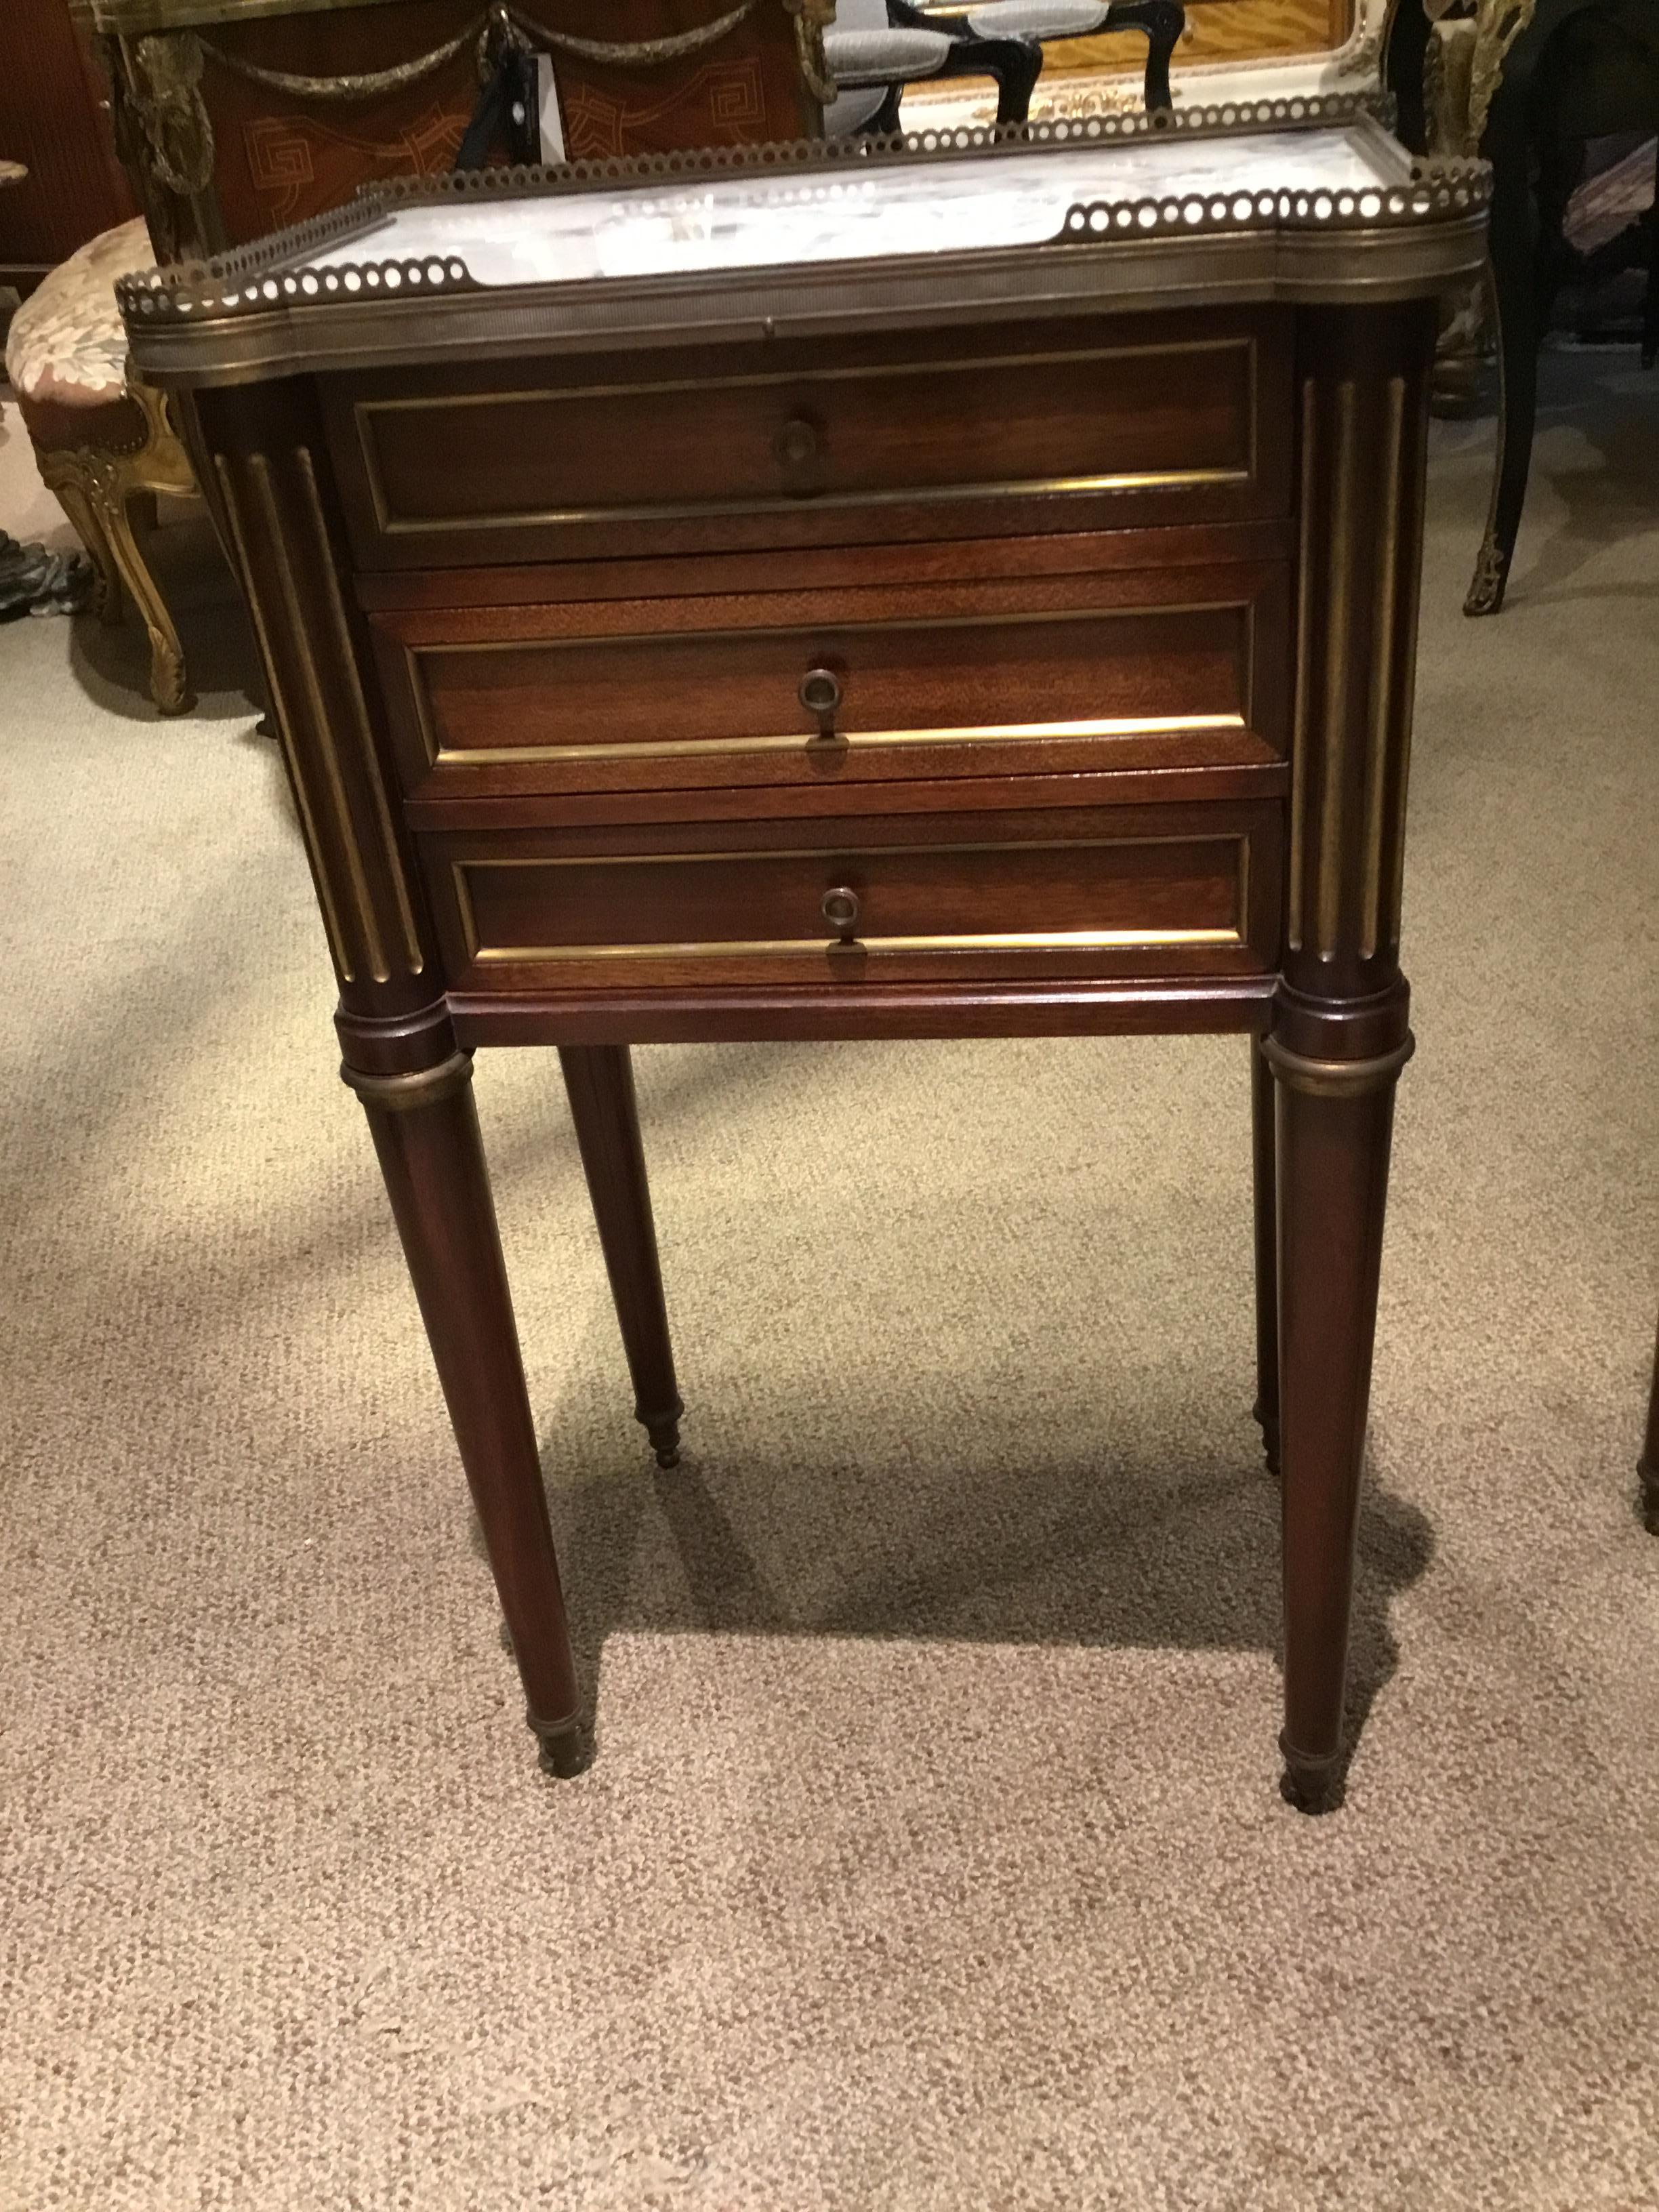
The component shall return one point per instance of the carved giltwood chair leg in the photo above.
(1334, 1123)
(82, 514)
(95, 486)
(600, 1080)
(169, 685)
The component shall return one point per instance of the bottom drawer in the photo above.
(1142, 892)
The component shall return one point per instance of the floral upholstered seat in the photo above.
(66, 346)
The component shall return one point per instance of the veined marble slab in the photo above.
(772, 219)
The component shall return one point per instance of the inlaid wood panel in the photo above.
(54, 118)
(1178, 669)
(1072, 892)
(277, 153)
(1149, 419)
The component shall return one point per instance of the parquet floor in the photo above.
(1219, 30)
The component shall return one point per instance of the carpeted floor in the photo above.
(934, 1856)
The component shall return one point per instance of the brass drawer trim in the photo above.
(804, 947)
(1075, 940)
(987, 734)
(766, 503)
(389, 525)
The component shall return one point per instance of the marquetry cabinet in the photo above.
(236, 116)
(55, 120)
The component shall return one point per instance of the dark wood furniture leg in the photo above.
(1264, 1156)
(1405, 58)
(1163, 21)
(1339, 1032)
(1334, 1122)
(599, 1080)
(1648, 1466)
(426, 1132)
(1513, 266)
(277, 503)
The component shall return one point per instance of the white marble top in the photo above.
(756, 220)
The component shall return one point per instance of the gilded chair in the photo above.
(103, 439)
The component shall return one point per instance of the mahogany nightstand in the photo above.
(958, 589)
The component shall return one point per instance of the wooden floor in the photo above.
(1219, 31)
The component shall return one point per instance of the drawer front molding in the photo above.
(922, 444)
(787, 498)
(1034, 940)
(1187, 669)
(1198, 883)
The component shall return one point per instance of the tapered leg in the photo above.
(1263, 1152)
(599, 1080)
(1334, 1128)
(426, 1132)
(1648, 1466)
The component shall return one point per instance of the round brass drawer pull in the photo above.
(796, 444)
(819, 692)
(840, 910)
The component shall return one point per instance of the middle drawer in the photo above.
(1181, 667)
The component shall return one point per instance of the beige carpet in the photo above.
(934, 1856)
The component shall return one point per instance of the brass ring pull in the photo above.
(797, 448)
(819, 692)
(840, 909)
(797, 442)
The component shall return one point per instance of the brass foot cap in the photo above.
(664, 1440)
(1311, 1785)
(1268, 1425)
(565, 1751)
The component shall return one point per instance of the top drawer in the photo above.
(1146, 419)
